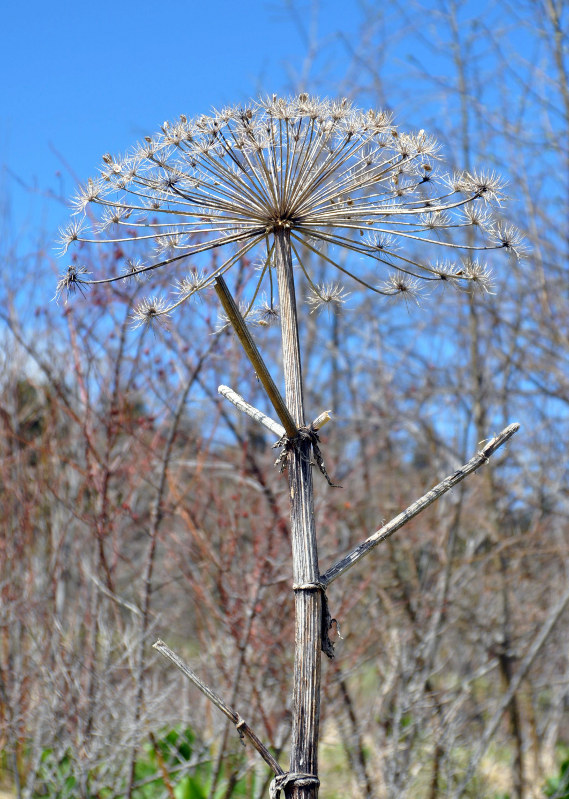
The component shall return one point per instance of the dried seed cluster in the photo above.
(331, 174)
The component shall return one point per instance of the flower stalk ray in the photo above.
(333, 175)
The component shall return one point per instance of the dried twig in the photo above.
(431, 496)
(237, 400)
(520, 674)
(238, 324)
(251, 411)
(242, 727)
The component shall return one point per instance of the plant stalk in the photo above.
(306, 678)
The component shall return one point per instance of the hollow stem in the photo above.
(306, 678)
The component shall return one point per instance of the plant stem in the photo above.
(419, 505)
(234, 717)
(238, 323)
(306, 686)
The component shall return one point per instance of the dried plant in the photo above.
(290, 177)
(329, 174)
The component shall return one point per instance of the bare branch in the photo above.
(238, 324)
(242, 727)
(260, 417)
(251, 411)
(413, 510)
(520, 674)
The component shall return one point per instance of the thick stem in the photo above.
(306, 687)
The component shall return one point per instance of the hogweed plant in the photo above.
(280, 180)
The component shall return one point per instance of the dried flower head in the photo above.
(479, 276)
(72, 280)
(134, 269)
(507, 236)
(330, 175)
(268, 313)
(151, 312)
(403, 287)
(328, 295)
(70, 234)
(191, 284)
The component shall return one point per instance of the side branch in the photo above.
(251, 411)
(431, 496)
(242, 727)
(238, 324)
(242, 405)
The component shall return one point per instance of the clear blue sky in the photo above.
(81, 79)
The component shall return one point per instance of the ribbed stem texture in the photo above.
(306, 685)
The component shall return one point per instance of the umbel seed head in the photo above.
(332, 176)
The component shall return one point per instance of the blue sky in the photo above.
(80, 79)
(84, 79)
